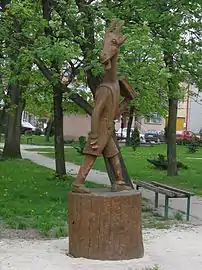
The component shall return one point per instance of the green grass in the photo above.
(139, 168)
(30, 197)
(37, 140)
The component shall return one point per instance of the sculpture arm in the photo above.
(101, 97)
(122, 107)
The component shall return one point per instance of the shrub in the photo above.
(80, 145)
(135, 138)
(161, 163)
(193, 147)
(186, 142)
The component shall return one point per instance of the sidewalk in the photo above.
(102, 178)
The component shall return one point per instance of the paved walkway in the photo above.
(102, 178)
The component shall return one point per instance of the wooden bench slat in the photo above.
(161, 190)
(173, 188)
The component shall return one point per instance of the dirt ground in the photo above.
(174, 249)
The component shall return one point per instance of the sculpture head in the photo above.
(113, 39)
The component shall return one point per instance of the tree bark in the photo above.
(129, 125)
(57, 98)
(48, 130)
(173, 85)
(12, 138)
(171, 139)
(59, 140)
(2, 117)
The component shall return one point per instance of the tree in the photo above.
(14, 75)
(176, 27)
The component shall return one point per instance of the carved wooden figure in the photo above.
(105, 225)
(107, 108)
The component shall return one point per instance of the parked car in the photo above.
(122, 134)
(154, 136)
(27, 127)
(183, 134)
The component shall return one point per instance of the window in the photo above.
(155, 118)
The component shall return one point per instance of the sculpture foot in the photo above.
(80, 188)
(120, 187)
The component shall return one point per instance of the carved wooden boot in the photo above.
(120, 186)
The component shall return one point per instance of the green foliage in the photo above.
(194, 141)
(135, 138)
(80, 145)
(161, 163)
(178, 216)
(192, 147)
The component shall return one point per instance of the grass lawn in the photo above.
(31, 197)
(37, 140)
(139, 168)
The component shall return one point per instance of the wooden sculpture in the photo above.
(105, 225)
(107, 108)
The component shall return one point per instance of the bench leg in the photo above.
(166, 206)
(188, 207)
(156, 199)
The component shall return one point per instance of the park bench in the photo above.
(29, 139)
(169, 192)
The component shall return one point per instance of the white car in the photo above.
(27, 125)
(122, 134)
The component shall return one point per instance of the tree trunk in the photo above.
(171, 140)
(48, 130)
(130, 121)
(173, 86)
(59, 140)
(12, 138)
(2, 117)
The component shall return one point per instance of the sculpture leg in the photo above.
(120, 184)
(78, 184)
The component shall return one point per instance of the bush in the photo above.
(186, 142)
(135, 138)
(161, 163)
(80, 145)
(193, 147)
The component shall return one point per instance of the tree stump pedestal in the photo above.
(105, 225)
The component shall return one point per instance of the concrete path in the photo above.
(102, 178)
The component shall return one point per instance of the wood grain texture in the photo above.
(105, 225)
